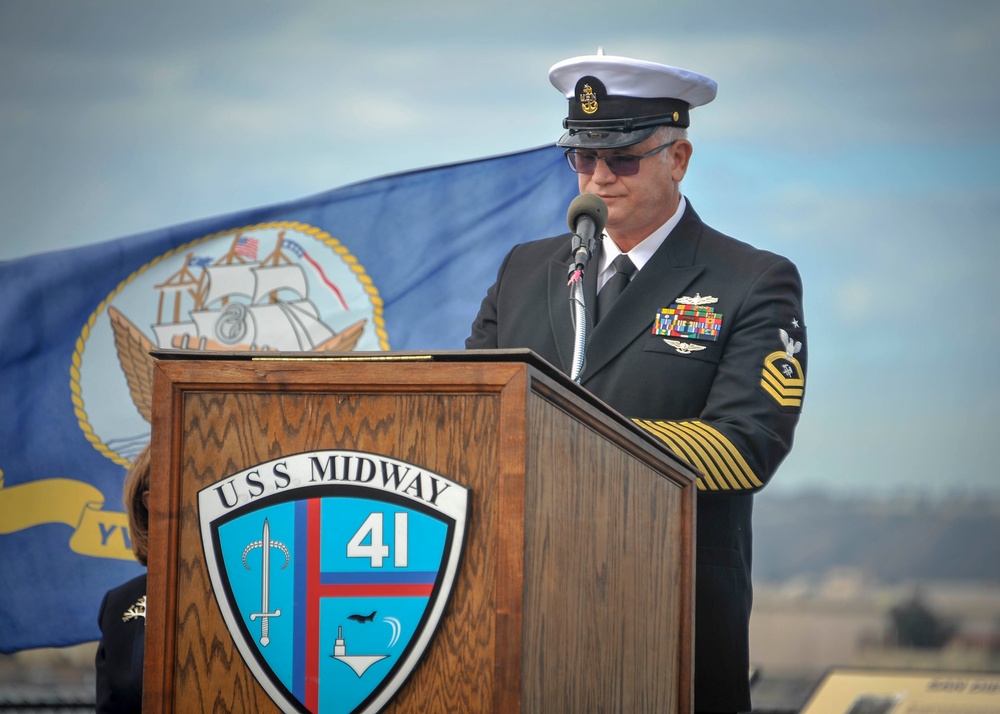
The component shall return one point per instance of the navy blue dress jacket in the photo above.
(706, 350)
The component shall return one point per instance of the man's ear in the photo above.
(680, 156)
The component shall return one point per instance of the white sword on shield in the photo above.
(265, 544)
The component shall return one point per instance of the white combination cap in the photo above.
(617, 101)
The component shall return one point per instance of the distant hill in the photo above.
(893, 540)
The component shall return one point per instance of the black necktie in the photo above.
(624, 267)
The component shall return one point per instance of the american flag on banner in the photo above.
(246, 247)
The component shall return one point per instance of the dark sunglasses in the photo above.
(585, 162)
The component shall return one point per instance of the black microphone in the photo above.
(586, 218)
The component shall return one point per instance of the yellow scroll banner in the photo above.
(97, 533)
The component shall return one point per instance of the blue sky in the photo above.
(859, 139)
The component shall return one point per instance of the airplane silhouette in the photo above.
(363, 618)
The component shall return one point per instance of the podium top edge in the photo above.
(510, 355)
(498, 355)
(444, 355)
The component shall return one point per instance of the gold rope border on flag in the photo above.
(318, 233)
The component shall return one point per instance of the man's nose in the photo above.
(602, 174)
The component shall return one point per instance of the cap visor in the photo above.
(593, 139)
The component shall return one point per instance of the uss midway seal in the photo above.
(332, 570)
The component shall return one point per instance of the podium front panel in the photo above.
(576, 580)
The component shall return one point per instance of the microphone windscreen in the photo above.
(588, 204)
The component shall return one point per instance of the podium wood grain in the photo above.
(575, 589)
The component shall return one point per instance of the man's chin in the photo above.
(616, 212)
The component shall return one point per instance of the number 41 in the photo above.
(376, 550)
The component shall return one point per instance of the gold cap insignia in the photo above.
(588, 100)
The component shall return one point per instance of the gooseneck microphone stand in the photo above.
(578, 310)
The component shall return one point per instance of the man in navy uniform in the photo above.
(704, 348)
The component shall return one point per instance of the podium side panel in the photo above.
(608, 572)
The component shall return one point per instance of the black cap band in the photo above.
(592, 108)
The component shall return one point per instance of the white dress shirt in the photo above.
(639, 255)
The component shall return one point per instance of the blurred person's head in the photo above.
(136, 497)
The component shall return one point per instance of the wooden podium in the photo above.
(575, 592)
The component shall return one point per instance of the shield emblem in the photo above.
(332, 570)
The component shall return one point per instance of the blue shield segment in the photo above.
(332, 590)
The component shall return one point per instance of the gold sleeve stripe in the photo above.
(730, 453)
(708, 450)
(694, 454)
(684, 449)
(709, 458)
(709, 438)
(679, 447)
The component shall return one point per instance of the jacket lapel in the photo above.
(561, 311)
(660, 282)
(560, 315)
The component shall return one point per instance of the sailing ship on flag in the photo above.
(232, 303)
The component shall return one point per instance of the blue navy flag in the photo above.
(399, 262)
